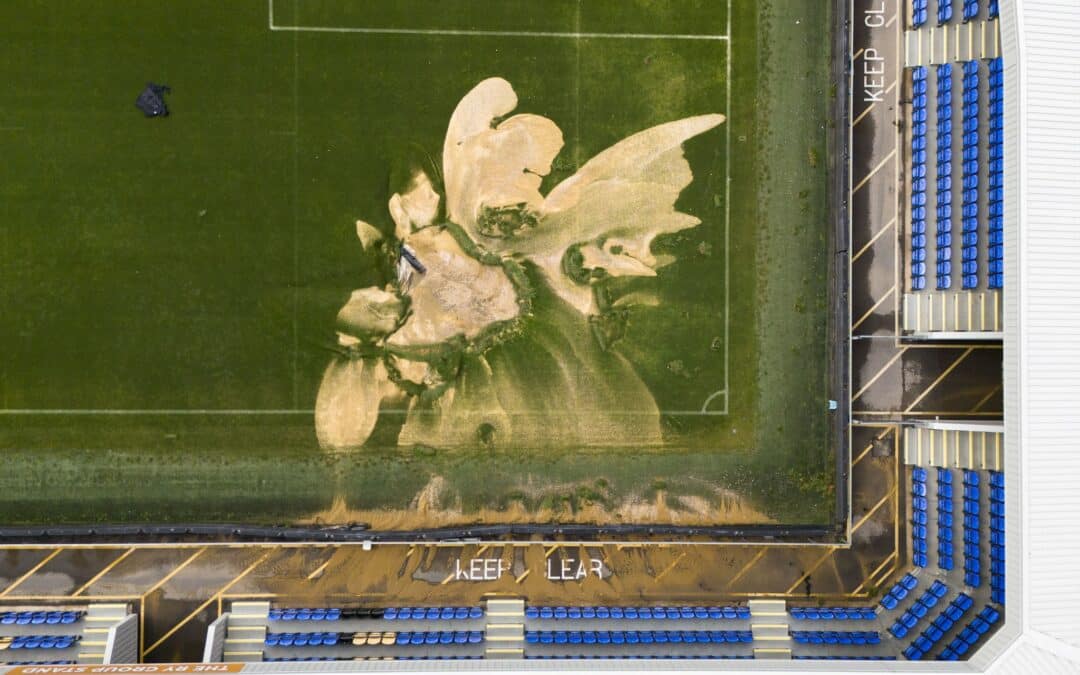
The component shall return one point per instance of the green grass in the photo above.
(197, 262)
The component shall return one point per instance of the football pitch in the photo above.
(170, 285)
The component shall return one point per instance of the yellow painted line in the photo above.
(29, 574)
(746, 568)
(870, 446)
(877, 168)
(872, 511)
(103, 572)
(176, 570)
(58, 598)
(547, 553)
(927, 413)
(522, 577)
(813, 568)
(892, 20)
(870, 577)
(448, 579)
(881, 372)
(318, 570)
(937, 381)
(877, 304)
(214, 598)
(770, 625)
(670, 567)
(856, 55)
(986, 399)
(873, 105)
(876, 236)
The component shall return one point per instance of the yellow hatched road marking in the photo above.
(214, 598)
(870, 577)
(813, 568)
(877, 304)
(879, 373)
(877, 168)
(877, 235)
(938, 380)
(29, 574)
(753, 561)
(103, 572)
(872, 511)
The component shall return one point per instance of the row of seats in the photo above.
(944, 175)
(38, 641)
(972, 565)
(899, 591)
(830, 613)
(944, 11)
(944, 519)
(388, 614)
(33, 618)
(730, 612)
(996, 277)
(388, 638)
(923, 604)
(841, 657)
(665, 657)
(935, 631)
(918, 170)
(997, 537)
(67, 662)
(969, 206)
(631, 637)
(970, 635)
(992, 9)
(971, 9)
(918, 516)
(432, 613)
(447, 657)
(833, 637)
(920, 10)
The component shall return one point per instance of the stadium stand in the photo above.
(929, 638)
(970, 635)
(91, 634)
(899, 591)
(923, 604)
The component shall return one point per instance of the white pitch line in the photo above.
(727, 224)
(120, 411)
(498, 33)
(492, 33)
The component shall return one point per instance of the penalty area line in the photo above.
(573, 35)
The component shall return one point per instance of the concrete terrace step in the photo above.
(760, 608)
(772, 653)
